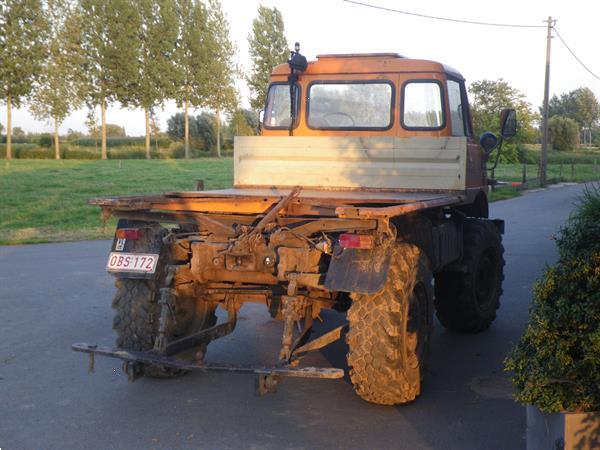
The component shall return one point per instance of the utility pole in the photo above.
(544, 152)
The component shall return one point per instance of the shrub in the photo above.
(573, 157)
(556, 363)
(16, 148)
(45, 140)
(510, 154)
(563, 133)
(80, 153)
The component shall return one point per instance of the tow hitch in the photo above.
(268, 376)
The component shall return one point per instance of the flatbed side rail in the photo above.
(393, 211)
(377, 207)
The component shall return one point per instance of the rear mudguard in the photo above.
(359, 270)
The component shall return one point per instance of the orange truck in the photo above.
(365, 193)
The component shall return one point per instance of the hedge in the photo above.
(556, 363)
(31, 151)
(121, 142)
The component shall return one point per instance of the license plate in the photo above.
(132, 262)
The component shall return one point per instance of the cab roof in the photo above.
(369, 63)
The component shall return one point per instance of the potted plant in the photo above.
(556, 363)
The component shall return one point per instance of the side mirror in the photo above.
(488, 141)
(508, 123)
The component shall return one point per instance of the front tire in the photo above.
(390, 331)
(466, 299)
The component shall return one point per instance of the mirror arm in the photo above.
(499, 147)
(292, 79)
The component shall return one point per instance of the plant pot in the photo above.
(558, 431)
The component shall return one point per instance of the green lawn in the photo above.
(46, 201)
(555, 172)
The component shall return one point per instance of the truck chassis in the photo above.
(268, 245)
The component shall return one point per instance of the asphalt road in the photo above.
(56, 294)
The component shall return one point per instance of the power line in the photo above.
(447, 19)
(474, 22)
(574, 55)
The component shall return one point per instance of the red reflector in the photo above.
(128, 233)
(356, 241)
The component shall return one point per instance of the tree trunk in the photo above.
(147, 133)
(186, 127)
(56, 140)
(218, 133)
(8, 130)
(103, 109)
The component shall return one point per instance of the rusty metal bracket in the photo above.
(272, 214)
(166, 296)
(293, 309)
(266, 384)
(204, 337)
(321, 341)
(251, 237)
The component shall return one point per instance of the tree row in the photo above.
(61, 55)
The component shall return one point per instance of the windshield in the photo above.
(277, 112)
(361, 105)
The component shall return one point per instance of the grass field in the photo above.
(46, 201)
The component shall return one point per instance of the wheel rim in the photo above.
(486, 278)
(416, 327)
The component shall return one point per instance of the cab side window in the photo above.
(421, 105)
(457, 118)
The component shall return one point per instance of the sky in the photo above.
(479, 52)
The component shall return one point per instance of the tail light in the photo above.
(356, 241)
(129, 233)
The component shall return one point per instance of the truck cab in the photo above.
(367, 121)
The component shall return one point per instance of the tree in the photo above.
(154, 128)
(109, 59)
(55, 94)
(1, 129)
(22, 51)
(158, 40)
(191, 60)
(244, 122)
(19, 134)
(268, 48)
(112, 131)
(92, 126)
(201, 129)
(74, 134)
(580, 105)
(221, 94)
(205, 130)
(563, 132)
(489, 97)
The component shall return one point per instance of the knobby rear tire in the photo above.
(136, 320)
(467, 295)
(390, 331)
